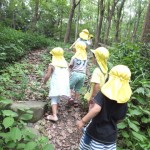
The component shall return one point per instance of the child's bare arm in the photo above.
(48, 74)
(91, 114)
(96, 88)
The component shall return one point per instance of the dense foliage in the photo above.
(15, 44)
(50, 17)
(134, 131)
(14, 134)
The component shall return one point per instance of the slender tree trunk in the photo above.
(14, 19)
(99, 24)
(119, 20)
(60, 33)
(146, 27)
(35, 16)
(111, 10)
(73, 6)
(136, 23)
(77, 23)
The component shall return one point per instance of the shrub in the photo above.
(15, 44)
(13, 133)
(134, 131)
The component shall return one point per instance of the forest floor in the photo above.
(63, 134)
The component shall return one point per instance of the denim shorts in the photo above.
(77, 81)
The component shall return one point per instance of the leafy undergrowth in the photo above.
(23, 83)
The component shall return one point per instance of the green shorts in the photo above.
(77, 80)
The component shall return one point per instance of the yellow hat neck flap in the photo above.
(117, 88)
(80, 51)
(102, 55)
(58, 59)
(84, 34)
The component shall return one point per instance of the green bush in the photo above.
(13, 133)
(15, 44)
(134, 131)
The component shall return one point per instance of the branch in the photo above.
(77, 3)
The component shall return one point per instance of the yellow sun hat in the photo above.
(84, 34)
(58, 59)
(101, 55)
(117, 88)
(80, 51)
(91, 36)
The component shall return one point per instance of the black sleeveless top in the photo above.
(103, 127)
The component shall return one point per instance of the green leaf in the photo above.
(30, 146)
(48, 147)
(21, 146)
(15, 134)
(133, 126)
(28, 134)
(26, 116)
(121, 125)
(145, 120)
(8, 122)
(9, 113)
(11, 145)
(138, 136)
(125, 134)
(4, 102)
(135, 112)
(43, 139)
(140, 90)
(1, 141)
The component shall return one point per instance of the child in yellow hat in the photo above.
(110, 108)
(85, 37)
(78, 66)
(59, 84)
(99, 75)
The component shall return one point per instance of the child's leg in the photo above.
(54, 103)
(79, 85)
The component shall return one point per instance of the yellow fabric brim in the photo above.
(81, 55)
(117, 90)
(84, 36)
(59, 62)
(101, 62)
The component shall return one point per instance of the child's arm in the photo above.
(96, 88)
(48, 74)
(71, 64)
(91, 114)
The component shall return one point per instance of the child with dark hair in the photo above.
(110, 108)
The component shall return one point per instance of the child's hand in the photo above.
(80, 124)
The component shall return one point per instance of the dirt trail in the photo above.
(63, 134)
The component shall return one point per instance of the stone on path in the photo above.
(38, 108)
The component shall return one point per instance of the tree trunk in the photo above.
(100, 21)
(14, 20)
(146, 27)
(136, 23)
(111, 10)
(118, 20)
(67, 35)
(60, 32)
(35, 16)
(77, 23)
